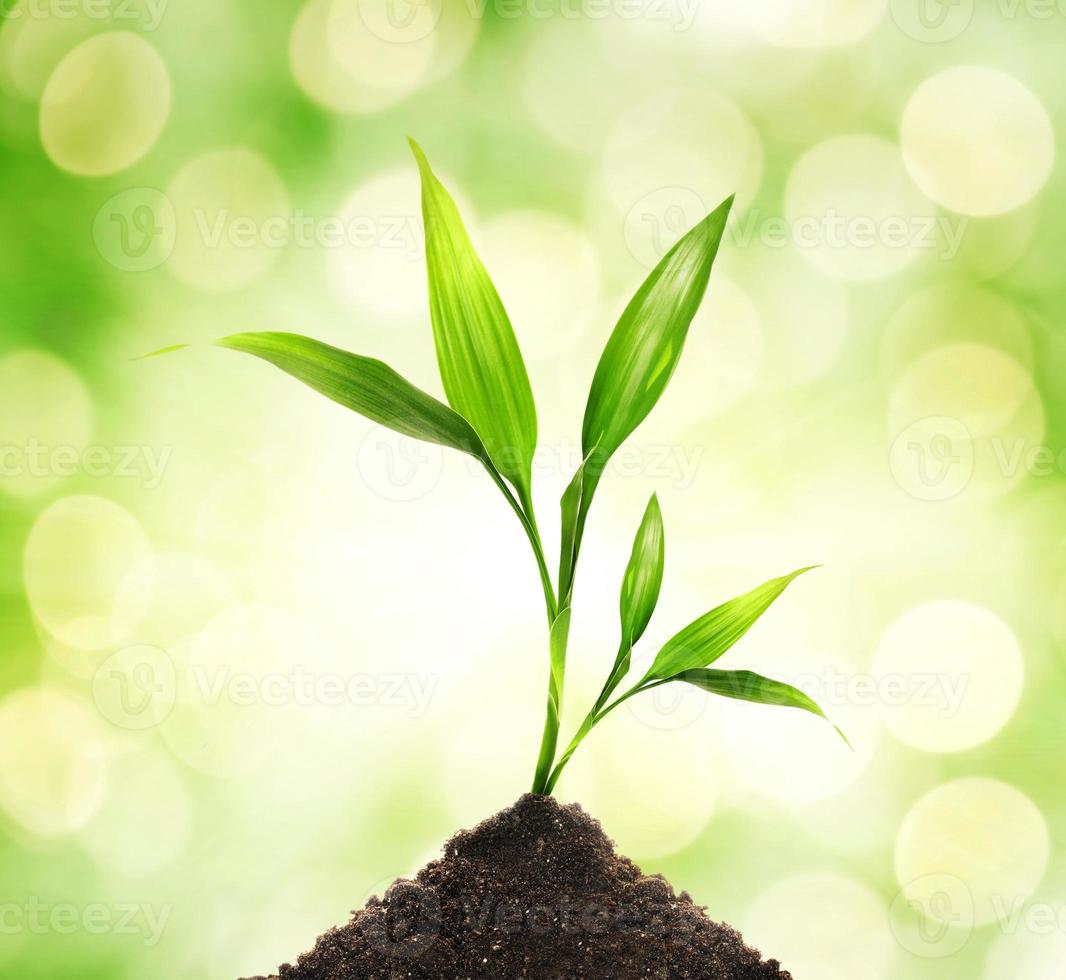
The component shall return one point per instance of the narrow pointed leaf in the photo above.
(363, 384)
(744, 685)
(643, 351)
(703, 641)
(644, 575)
(480, 363)
(570, 504)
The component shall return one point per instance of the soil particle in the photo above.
(536, 891)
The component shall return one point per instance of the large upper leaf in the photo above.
(640, 357)
(744, 685)
(363, 384)
(644, 575)
(702, 642)
(644, 348)
(480, 364)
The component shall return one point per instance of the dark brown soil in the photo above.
(536, 891)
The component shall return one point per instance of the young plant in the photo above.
(493, 418)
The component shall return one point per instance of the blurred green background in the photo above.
(260, 657)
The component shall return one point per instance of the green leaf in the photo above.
(641, 355)
(644, 348)
(570, 504)
(481, 366)
(644, 575)
(702, 642)
(744, 685)
(364, 385)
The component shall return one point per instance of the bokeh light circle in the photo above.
(142, 825)
(987, 836)
(233, 219)
(547, 273)
(976, 140)
(1027, 953)
(956, 672)
(814, 23)
(853, 211)
(689, 138)
(980, 386)
(953, 312)
(77, 554)
(820, 926)
(723, 352)
(46, 414)
(790, 756)
(379, 267)
(105, 104)
(52, 763)
(804, 315)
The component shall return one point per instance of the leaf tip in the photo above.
(159, 353)
(419, 154)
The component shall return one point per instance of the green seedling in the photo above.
(491, 415)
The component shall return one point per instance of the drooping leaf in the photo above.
(643, 351)
(644, 575)
(744, 685)
(703, 641)
(480, 363)
(363, 384)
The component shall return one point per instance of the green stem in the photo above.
(558, 640)
(593, 718)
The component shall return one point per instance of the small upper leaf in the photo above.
(481, 366)
(644, 348)
(744, 685)
(702, 642)
(363, 384)
(644, 575)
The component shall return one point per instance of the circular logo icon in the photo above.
(670, 707)
(401, 21)
(136, 688)
(658, 220)
(397, 467)
(933, 916)
(406, 922)
(932, 21)
(135, 231)
(933, 458)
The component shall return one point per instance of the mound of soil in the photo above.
(535, 891)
